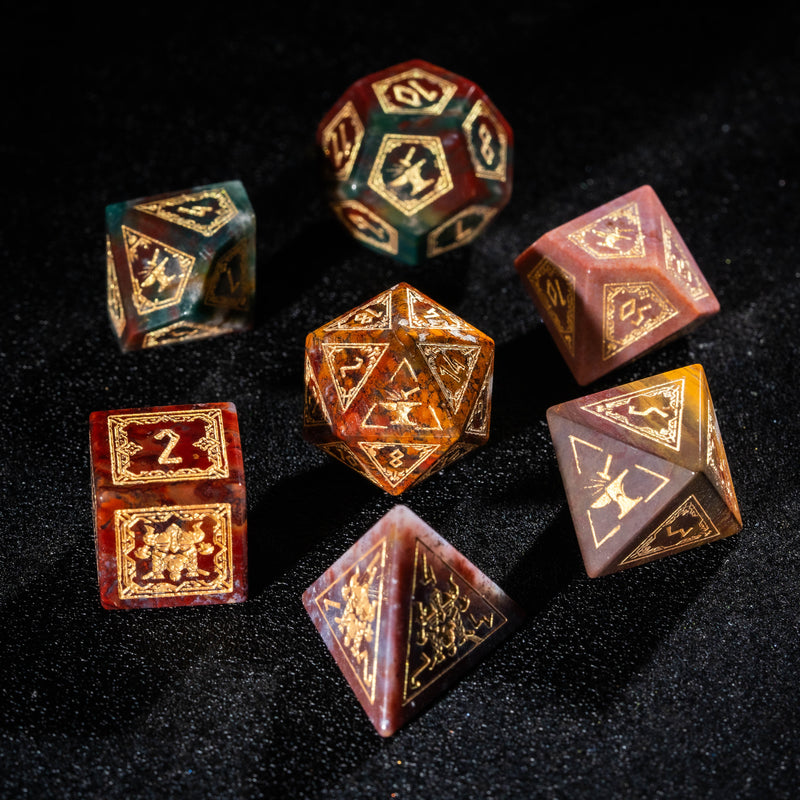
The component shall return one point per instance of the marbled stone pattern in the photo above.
(615, 283)
(169, 505)
(404, 615)
(644, 470)
(398, 388)
(418, 160)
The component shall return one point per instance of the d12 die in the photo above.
(644, 470)
(404, 615)
(398, 388)
(169, 504)
(615, 283)
(181, 266)
(418, 159)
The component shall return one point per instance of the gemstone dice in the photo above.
(418, 160)
(404, 615)
(169, 506)
(181, 266)
(615, 283)
(398, 388)
(644, 470)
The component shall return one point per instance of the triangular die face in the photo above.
(688, 526)
(655, 412)
(204, 212)
(314, 410)
(341, 452)
(349, 366)
(717, 468)
(632, 311)
(401, 406)
(448, 618)
(617, 234)
(478, 422)
(159, 273)
(680, 264)
(424, 313)
(554, 287)
(451, 456)
(396, 461)
(352, 608)
(614, 490)
(451, 365)
(374, 315)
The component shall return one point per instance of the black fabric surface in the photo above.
(673, 680)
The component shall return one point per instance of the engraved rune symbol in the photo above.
(628, 309)
(611, 490)
(407, 171)
(444, 624)
(413, 93)
(155, 271)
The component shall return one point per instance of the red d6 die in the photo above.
(169, 502)
(418, 160)
(615, 283)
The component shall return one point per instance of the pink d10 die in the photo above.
(404, 615)
(615, 283)
(418, 160)
(169, 505)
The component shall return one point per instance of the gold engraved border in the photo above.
(629, 212)
(182, 332)
(462, 237)
(143, 304)
(408, 697)
(690, 505)
(370, 222)
(121, 448)
(612, 344)
(498, 173)
(227, 210)
(565, 331)
(125, 519)
(113, 295)
(329, 132)
(369, 688)
(444, 183)
(389, 106)
(674, 251)
(605, 409)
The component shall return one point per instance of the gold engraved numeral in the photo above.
(341, 140)
(414, 91)
(485, 135)
(173, 439)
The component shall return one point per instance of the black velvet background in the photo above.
(677, 679)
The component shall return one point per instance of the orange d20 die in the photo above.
(644, 470)
(615, 283)
(404, 615)
(398, 388)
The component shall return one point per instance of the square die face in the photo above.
(170, 510)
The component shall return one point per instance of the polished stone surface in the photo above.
(615, 283)
(181, 266)
(169, 506)
(404, 615)
(644, 469)
(418, 160)
(398, 388)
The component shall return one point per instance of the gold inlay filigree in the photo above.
(341, 140)
(617, 234)
(487, 142)
(414, 91)
(555, 289)
(182, 332)
(679, 264)
(397, 460)
(116, 310)
(459, 230)
(205, 211)
(366, 226)
(123, 446)
(168, 551)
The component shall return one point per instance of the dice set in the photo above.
(418, 162)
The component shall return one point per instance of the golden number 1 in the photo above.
(173, 437)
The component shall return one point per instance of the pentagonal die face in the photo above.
(398, 388)
(419, 160)
(615, 283)
(180, 266)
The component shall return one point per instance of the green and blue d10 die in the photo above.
(418, 160)
(181, 266)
